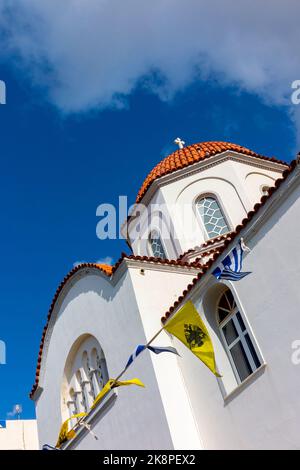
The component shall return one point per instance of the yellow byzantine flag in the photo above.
(64, 433)
(112, 383)
(188, 327)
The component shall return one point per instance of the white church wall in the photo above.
(237, 186)
(257, 182)
(263, 412)
(19, 434)
(110, 314)
(155, 291)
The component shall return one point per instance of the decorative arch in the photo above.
(218, 179)
(258, 184)
(232, 205)
(258, 173)
(85, 374)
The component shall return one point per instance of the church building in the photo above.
(191, 211)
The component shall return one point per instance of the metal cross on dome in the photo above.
(179, 142)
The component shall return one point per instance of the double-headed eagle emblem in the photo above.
(194, 335)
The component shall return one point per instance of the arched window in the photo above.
(85, 375)
(237, 340)
(212, 216)
(156, 244)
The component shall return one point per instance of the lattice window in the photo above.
(157, 245)
(212, 216)
(86, 375)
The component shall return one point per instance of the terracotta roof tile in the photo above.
(192, 154)
(105, 268)
(207, 244)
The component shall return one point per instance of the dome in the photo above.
(192, 154)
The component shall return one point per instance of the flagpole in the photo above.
(148, 344)
(154, 337)
(122, 373)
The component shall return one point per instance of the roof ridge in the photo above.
(211, 241)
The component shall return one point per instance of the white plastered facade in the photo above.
(183, 406)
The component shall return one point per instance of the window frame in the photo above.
(241, 336)
(222, 209)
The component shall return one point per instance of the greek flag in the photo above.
(154, 349)
(158, 349)
(231, 267)
(135, 354)
(2, 423)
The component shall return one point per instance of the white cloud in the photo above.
(16, 411)
(106, 260)
(93, 53)
(78, 263)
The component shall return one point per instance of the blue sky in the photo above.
(64, 152)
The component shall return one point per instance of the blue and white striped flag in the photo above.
(231, 267)
(2, 423)
(159, 349)
(135, 354)
(155, 349)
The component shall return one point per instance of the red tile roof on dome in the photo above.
(193, 154)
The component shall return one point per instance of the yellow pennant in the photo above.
(188, 327)
(112, 383)
(64, 433)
